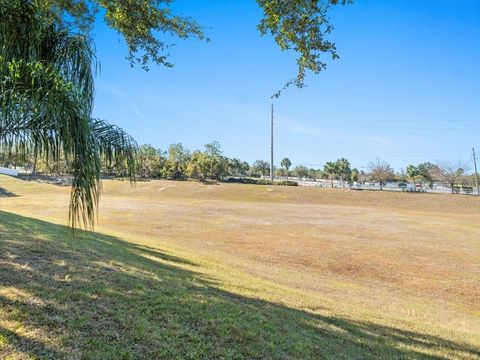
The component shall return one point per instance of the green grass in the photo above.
(98, 297)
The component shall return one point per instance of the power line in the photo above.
(380, 127)
(359, 118)
(476, 113)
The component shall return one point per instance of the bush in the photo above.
(241, 180)
(286, 183)
(249, 181)
(264, 182)
(254, 181)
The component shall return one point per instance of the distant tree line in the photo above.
(179, 163)
(453, 173)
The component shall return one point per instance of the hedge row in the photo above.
(260, 181)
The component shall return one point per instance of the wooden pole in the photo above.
(271, 147)
(476, 172)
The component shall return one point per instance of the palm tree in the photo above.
(286, 163)
(343, 168)
(412, 172)
(46, 99)
(331, 169)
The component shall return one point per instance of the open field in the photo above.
(185, 270)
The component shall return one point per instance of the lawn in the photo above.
(190, 271)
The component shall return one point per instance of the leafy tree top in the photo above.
(343, 166)
(412, 171)
(298, 25)
(330, 168)
(286, 163)
(46, 98)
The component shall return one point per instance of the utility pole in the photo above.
(476, 172)
(271, 147)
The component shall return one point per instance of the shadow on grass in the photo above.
(208, 182)
(99, 297)
(10, 342)
(47, 179)
(6, 193)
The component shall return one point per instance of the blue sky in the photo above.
(406, 88)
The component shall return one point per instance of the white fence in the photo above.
(7, 171)
(438, 188)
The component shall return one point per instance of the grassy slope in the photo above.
(98, 296)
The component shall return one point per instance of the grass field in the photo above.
(181, 270)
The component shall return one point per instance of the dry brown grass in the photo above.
(406, 260)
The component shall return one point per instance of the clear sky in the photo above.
(406, 88)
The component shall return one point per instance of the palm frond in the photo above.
(115, 146)
(46, 98)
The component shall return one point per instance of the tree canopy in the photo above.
(381, 171)
(299, 25)
(343, 169)
(451, 172)
(330, 169)
(286, 163)
(412, 172)
(46, 99)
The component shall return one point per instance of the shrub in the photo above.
(254, 181)
(249, 181)
(286, 183)
(264, 182)
(241, 180)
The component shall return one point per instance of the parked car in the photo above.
(410, 188)
(420, 188)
